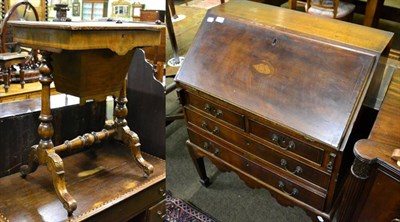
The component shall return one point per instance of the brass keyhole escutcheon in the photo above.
(274, 41)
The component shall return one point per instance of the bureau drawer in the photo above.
(156, 213)
(291, 166)
(279, 184)
(285, 142)
(213, 109)
(251, 147)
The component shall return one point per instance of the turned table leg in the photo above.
(6, 78)
(22, 75)
(44, 153)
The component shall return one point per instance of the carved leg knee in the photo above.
(132, 140)
(33, 162)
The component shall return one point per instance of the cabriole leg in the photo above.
(127, 136)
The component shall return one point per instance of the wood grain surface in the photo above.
(98, 182)
(289, 76)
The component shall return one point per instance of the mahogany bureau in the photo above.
(273, 95)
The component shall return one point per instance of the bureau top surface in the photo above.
(312, 85)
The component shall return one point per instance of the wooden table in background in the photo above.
(372, 192)
(108, 187)
(30, 91)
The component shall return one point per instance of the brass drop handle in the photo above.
(282, 187)
(161, 214)
(204, 124)
(396, 220)
(282, 142)
(215, 130)
(207, 107)
(212, 110)
(206, 145)
(162, 191)
(297, 170)
(218, 113)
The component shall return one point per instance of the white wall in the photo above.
(153, 4)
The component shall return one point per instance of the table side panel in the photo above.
(119, 41)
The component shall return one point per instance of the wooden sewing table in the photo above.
(90, 60)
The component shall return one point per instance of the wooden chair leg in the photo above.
(6, 78)
(160, 71)
(22, 76)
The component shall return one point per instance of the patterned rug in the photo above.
(178, 210)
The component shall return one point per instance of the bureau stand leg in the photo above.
(44, 153)
(199, 164)
(127, 136)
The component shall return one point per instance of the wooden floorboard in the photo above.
(185, 31)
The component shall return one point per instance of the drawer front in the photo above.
(213, 109)
(285, 142)
(304, 171)
(156, 212)
(281, 185)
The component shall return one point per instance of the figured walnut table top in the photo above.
(55, 36)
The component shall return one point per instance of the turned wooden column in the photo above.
(45, 129)
(355, 183)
